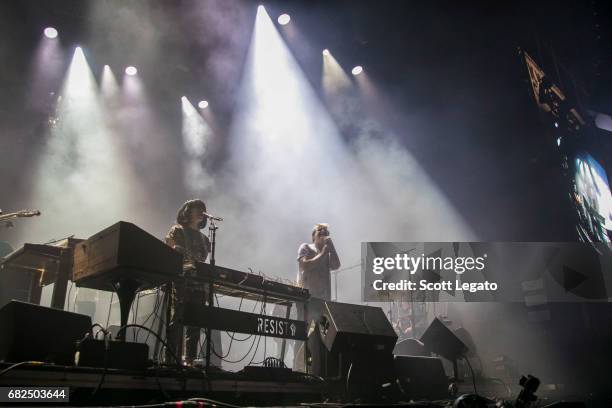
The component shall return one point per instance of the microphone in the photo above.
(212, 217)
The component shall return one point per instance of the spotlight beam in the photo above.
(196, 135)
(81, 163)
(334, 78)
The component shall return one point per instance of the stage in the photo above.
(314, 202)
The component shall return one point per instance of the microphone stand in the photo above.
(212, 229)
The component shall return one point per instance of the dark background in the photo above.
(450, 69)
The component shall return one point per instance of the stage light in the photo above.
(47, 71)
(79, 81)
(559, 141)
(326, 52)
(108, 84)
(131, 71)
(556, 124)
(79, 162)
(50, 32)
(333, 79)
(196, 136)
(203, 104)
(284, 19)
(357, 70)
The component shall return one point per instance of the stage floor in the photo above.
(123, 387)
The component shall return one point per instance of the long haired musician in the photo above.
(186, 238)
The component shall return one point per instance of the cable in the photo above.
(157, 321)
(9, 368)
(158, 318)
(263, 306)
(107, 340)
(231, 336)
(193, 402)
(109, 308)
(247, 353)
(212, 349)
(214, 402)
(348, 379)
(102, 329)
(255, 352)
(224, 358)
(145, 321)
(472, 371)
(153, 313)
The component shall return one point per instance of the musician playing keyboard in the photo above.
(186, 238)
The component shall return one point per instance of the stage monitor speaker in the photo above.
(33, 332)
(410, 347)
(351, 373)
(346, 327)
(421, 377)
(320, 362)
(441, 340)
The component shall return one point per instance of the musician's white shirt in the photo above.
(318, 278)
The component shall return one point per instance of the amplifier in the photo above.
(120, 355)
(126, 251)
(33, 332)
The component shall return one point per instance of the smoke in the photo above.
(196, 137)
(222, 29)
(78, 176)
(290, 164)
(289, 169)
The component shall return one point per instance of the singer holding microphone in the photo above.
(315, 262)
(186, 238)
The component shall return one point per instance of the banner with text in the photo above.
(530, 272)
